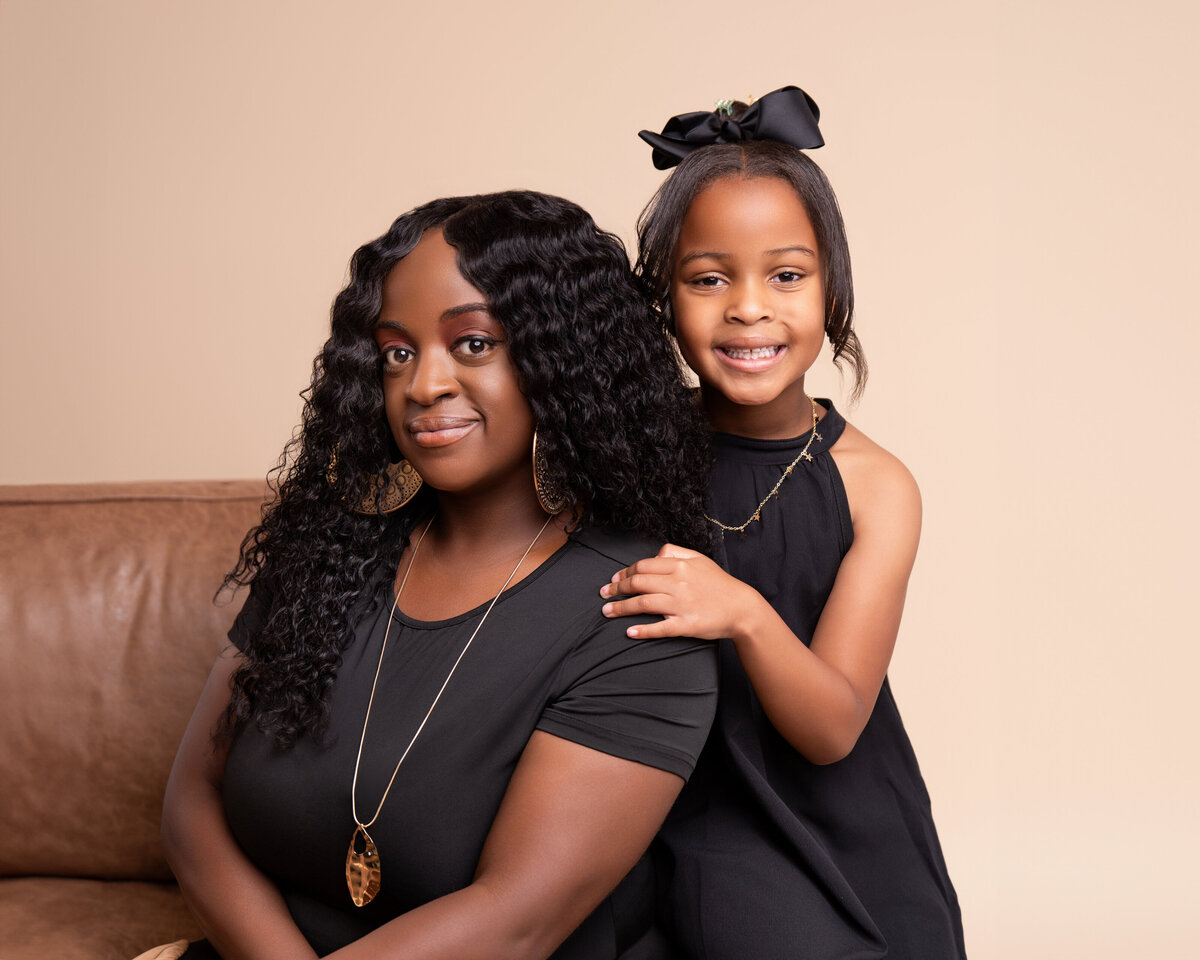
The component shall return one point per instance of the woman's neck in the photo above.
(486, 525)
(473, 546)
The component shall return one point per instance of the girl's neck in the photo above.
(788, 415)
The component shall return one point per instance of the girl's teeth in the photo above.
(757, 353)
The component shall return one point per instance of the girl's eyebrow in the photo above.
(798, 248)
(778, 251)
(702, 255)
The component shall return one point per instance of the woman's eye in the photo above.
(476, 346)
(395, 356)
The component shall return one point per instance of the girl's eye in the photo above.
(707, 281)
(396, 356)
(789, 276)
(476, 346)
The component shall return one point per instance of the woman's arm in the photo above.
(572, 823)
(820, 697)
(239, 909)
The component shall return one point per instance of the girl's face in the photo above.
(749, 304)
(449, 386)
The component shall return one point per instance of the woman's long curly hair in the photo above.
(615, 421)
(662, 220)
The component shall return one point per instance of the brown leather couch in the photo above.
(107, 632)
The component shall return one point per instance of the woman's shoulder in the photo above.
(589, 559)
(876, 481)
(609, 545)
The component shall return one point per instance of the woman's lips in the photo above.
(750, 358)
(440, 431)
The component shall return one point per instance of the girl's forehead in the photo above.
(766, 212)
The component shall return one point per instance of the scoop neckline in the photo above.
(388, 587)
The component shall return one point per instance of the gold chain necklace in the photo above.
(362, 867)
(803, 455)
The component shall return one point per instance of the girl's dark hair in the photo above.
(662, 219)
(615, 421)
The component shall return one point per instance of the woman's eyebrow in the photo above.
(461, 309)
(446, 315)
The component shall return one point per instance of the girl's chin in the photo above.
(751, 395)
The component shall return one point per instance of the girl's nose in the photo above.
(432, 378)
(748, 304)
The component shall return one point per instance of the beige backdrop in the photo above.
(183, 183)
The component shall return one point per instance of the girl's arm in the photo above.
(572, 823)
(820, 697)
(239, 909)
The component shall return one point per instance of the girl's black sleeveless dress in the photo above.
(765, 855)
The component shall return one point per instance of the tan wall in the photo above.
(182, 184)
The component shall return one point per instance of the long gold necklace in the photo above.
(362, 866)
(803, 455)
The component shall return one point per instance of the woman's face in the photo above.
(449, 385)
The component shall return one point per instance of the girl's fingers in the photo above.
(653, 604)
(677, 553)
(669, 559)
(639, 578)
(649, 565)
(635, 583)
(682, 586)
(668, 627)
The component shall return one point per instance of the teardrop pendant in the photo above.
(362, 868)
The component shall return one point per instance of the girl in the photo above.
(432, 744)
(806, 831)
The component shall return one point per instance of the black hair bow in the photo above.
(788, 115)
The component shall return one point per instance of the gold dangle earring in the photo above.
(549, 490)
(399, 484)
(388, 492)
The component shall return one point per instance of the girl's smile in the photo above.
(749, 302)
(750, 354)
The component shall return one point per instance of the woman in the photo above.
(436, 745)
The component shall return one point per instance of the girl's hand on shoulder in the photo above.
(693, 595)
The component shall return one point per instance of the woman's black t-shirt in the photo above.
(546, 659)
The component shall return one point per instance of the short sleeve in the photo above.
(650, 701)
(254, 614)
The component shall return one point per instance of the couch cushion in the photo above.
(107, 632)
(43, 918)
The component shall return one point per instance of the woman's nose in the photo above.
(432, 378)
